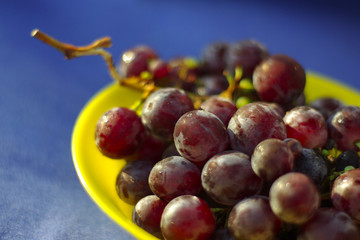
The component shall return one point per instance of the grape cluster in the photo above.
(226, 148)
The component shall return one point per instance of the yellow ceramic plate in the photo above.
(98, 173)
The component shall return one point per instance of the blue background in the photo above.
(41, 94)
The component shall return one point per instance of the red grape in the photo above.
(228, 178)
(271, 159)
(174, 176)
(147, 214)
(187, 217)
(198, 135)
(119, 133)
(253, 219)
(279, 79)
(345, 194)
(344, 127)
(307, 125)
(326, 105)
(223, 108)
(329, 224)
(254, 123)
(163, 108)
(294, 198)
(213, 57)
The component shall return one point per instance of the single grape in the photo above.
(295, 146)
(246, 54)
(135, 61)
(152, 149)
(198, 135)
(174, 176)
(311, 163)
(345, 193)
(213, 58)
(271, 159)
(326, 105)
(163, 108)
(159, 69)
(347, 158)
(329, 224)
(187, 217)
(307, 125)
(279, 79)
(294, 198)
(344, 127)
(132, 181)
(119, 133)
(253, 219)
(228, 178)
(147, 214)
(254, 123)
(223, 108)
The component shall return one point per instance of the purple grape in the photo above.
(163, 108)
(228, 178)
(345, 193)
(294, 198)
(295, 146)
(187, 217)
(271, 159)
(329, 224)
(253, 219)
(132, 181)
(198, 135)
(279, 79)
(213, 57)
(223, 108)
(119, 133)
(307, 125)
(347, 158)
(221, 234)
(147, 214)
(135, 61)
(174, 176)
(246, 54)
(311, 163)
(344, 127)
(212, 84)
(252, 124)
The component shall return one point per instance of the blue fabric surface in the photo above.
(41, 94)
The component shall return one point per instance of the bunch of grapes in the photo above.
(226, 148)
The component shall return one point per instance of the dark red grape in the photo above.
(198, 135)
(132, 181)
(252, 124)
(326, 105)
(135, 61)
(174, 176)
(187, 217)
(228, 178)
(329, 224)
(158, 68)
(253, 219)
(213, 58)
(152, 149)
(311, 163)
(307, 125)
(119, 133)
(246, 54)
(279, 79)
(163, 108)
(147, 214)
(271, 159)
(294, 198)
(344, 127)
(347, 158)
(223, 108)
(345, 193)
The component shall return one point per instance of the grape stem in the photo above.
(96, 48)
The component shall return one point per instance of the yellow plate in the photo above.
(98, 173)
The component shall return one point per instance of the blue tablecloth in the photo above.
(41, 94)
